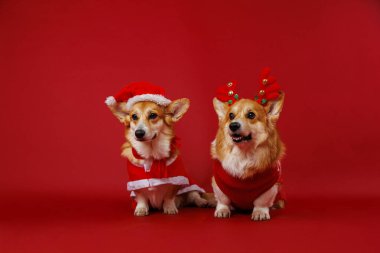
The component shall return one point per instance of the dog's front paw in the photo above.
(260, 214)
(141, 211)
(223, 212)
(170, 210)
(170, 207)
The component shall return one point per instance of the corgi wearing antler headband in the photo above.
(247, 149)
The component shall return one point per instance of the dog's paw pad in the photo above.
(222, 213)
(141, 211)
(171, 210)
(260, 215)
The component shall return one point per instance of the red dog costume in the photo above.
(154, 172)
(242, 192)
(159, 172)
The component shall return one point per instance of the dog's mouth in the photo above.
(145, 140)
(237, 138)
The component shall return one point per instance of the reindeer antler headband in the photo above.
(268, 90)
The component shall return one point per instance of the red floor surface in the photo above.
(62, 181)
(67, 223)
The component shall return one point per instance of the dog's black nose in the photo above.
(234, 126)
(139, 133)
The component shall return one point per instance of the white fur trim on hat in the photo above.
(110, 100)
(156, 98)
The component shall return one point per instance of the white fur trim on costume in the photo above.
(171, 160)
(156, 98)
(186, 189)
(110, 100)
(190, 188)
(279, 168)
(144, 183)
(148, 164)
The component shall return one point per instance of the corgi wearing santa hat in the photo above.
(157, 176)
(247, 150)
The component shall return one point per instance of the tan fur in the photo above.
(244, 159)
(161, 127)
(271, 149)
(159, 135)
(126, 151)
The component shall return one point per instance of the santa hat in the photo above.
(268, 90)
(138, 92)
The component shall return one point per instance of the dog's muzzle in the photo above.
(234, 126)
(139, 133)
(237, 138)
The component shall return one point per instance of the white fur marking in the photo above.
(238, 160)
(157, 149)
(267, 198)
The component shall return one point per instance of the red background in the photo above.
(62, 181)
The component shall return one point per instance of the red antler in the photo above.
(269, 89)
(227, 93)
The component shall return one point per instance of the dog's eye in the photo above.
(134, 117)
(251, 115)
(152, 115)
(232, 116)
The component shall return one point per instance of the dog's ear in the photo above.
(220, 107)
(176, 109)
(120, 112)
(274, 108)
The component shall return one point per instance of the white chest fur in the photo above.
(157, 149)
(238, 161)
